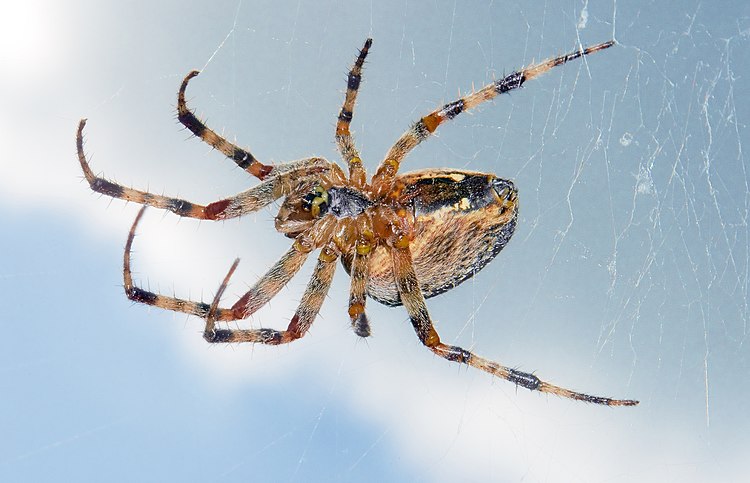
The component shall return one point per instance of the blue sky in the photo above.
(627, 275)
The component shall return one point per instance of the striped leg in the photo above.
(251, 200)
(241, 157)
(358, 293)
(308, 309)
(268, 286)
(137, 294)
(264, 290)
(411, 296)
(344, 140)
(423, 128)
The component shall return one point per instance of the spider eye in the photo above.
(316, 202)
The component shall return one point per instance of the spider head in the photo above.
(302, 208)
(316, 202)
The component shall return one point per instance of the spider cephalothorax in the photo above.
(401, 237)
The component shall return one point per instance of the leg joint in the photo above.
(218, 336)
(353, 81)
(453, 353)
(524, 379)
(137, 294)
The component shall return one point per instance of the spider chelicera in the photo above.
(401, 237)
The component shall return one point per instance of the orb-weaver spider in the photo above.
(401, 237)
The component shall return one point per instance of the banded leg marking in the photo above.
(308, 309)
(423, 128)
(413, 300)
(312, 300)
(344, 140)
(268, 286)
(244, 159)
(137, 294)
(248, 201)
(352, 87)
(264, 290)
(358, 294)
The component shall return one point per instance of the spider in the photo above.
(401, 237)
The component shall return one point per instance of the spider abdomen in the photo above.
(462, 221)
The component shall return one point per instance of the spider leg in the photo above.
(309, 307)
(241, 157)
(268, 286)
(423, 128)
(357, 295)
(264, 290)
(411, 296)
(282, 271)
(253, 199)
(137, 294)
(211, 317)
(312, 300)
(344, 140)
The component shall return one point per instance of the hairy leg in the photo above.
(411, 296)
(423, 128)
(244, 159)
(264, 289)
(308, 309)
(251, 200)
(358, 293)
(344, 140)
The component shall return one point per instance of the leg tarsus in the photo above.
(211, 317)
(109, 188)
(424, 127)
(361, 325)
(344, 140)
(248, 201)
(413, 300)
(137, 294)
(312, 300)
(244, 159)
(360, 270)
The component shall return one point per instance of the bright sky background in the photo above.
(627, 276)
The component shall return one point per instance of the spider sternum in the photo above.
(346, 202)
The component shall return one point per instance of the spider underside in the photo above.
(401, 237)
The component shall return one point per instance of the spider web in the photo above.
(631, 274)
(627, 275)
